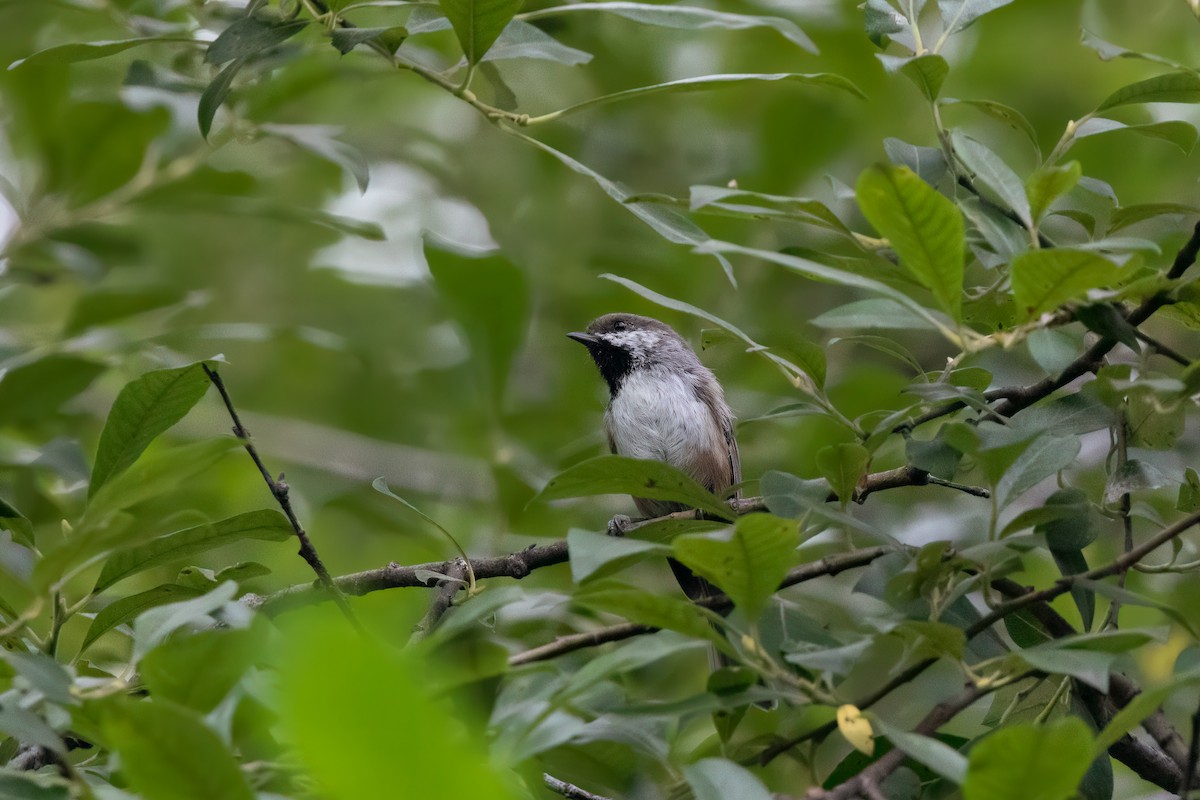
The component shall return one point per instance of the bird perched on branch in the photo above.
(666, 406)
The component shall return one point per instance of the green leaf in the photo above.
(924, 227)
(1177, 132)
(1131, 215)
(1143, 704)
(653, 480)
(319, 140)
(168, 753)
(990, 170)
(522, 40)
(927, 71)
(1108, 51)
(104, 306)
(803, 209)
(708, 82)
(722, 779)
(789, 496)
(1174, 87)
(346, 39)
(73, 52)
(666, 222)
(160, 471)
(958, 14)
(199, 670)
(655, 610)
(265, 525)
(876, 313)
(748, 563)
(843, 465)
(1048, 184)
(1046, 456)
(1042, 280)
(938, 756)
(37, 389)
(214, 95)
(251, 35)
(1030, 762)
(128, 608)
(15, 522)
(684, 17)
(596, 554)
(478, 23)
(153, 626)
(489, 299)
(362, 738)
(146, 407)
(29, 786)
(798, 375)
(1005, 114)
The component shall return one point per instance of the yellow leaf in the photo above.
(856, 728)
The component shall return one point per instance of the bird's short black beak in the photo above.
(585, 339)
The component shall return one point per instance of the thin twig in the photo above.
(1164, 350)
(875, 773)
(280, 491)
(1033, 597)
(1189, 772)
(1113, 619)
(1017, 398)
(569, 790)
(830, 565)
(443, 599)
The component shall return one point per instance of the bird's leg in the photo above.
(618, 524)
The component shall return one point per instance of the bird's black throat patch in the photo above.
(614, 363)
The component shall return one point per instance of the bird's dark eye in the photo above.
(619, 325)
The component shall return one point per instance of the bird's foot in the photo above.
(618, 524)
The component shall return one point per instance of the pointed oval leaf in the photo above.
(146, 407)
(1042, 280)
(73, 52)
(843, 465)
(747, 563)
(128, 608)
(1174, 87)
(251, 35)
(702, 83)
(923, 226)
(928, 72)
(994, 174)
(958, 14)
(266, 525)
(168, 752)
(722, 779)
(656, 610)
(653, 480)
(214, 95)
(478, 23)
(1048, 184)
(685, 18)
(1030, 762)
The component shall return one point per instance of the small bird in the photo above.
(667, 406)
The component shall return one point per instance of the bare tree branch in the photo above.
(279, 490)
(518, 565)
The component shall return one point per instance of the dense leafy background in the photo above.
(379, 242)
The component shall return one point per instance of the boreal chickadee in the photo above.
(667, 406)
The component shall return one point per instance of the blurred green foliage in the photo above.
(380, 233)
